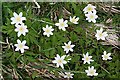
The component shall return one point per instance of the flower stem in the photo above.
(104, 69)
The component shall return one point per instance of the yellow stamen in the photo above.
(20, 46)
(21, 29)
(73, 20)
(92, 72)
(18, 19)
(91, 16)
(89, 9)
(68, 75)
(62, 24)
(68, 46)
(59, 61)
(87, 58)
(47, 31)
(105, 56)
(100, 35)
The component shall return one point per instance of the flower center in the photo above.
(62, 24)
(87, 58)
(21, 29)
(47, 31)
(73, 20)
(91, 16)
(92, 72)
(68, 75)
(68, 46)
(20, 46)
(89, 9)
(105, 56)
(59, 61)
(18, 19)
(100, 35)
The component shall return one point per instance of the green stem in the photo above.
(104, 69)
(42, 21)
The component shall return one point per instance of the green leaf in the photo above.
(75, 58)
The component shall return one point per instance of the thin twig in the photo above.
(38, 6)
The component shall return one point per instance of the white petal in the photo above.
(109, 58)
(86, 71)
(67, 51)
(63, 29)
(66, 21)
(62, 66)
(12, 18)
(47, 26)
(44, 28)
(26, 47)
(60, 20)
(58, 56)
(77, 18)
(98, 38)
(63, 57)
(44, 33)
(48, 35)
(66, 25)
(15, 14)
(64, 62)
(24, 42)
(20, 14)
(57, 65)
(109, 54)
(71, 50)
(18, 41)
(94, 21)
(63, 46)
(105, 34)
(16, 30)
(16, 45)
(12, 22)
(92, 67)
(103, 38)
(72, 46)
(57, 24)
(69, 42)
(54, 61)
(17, 49)
(22, 50)
(95, 74)
(19, 34)
(23, 18)
(101, 29)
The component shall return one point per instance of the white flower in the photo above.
(100, 34)
(74, 20)
(89, 8)
(48, 31)
(60, 61)
(106, 56)
(21, 29)
(62, 24)
(68, 47)
(17, 19)
(68, 75)
(21, 46)
(87, 58)
(91, 71)
(91, 17)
